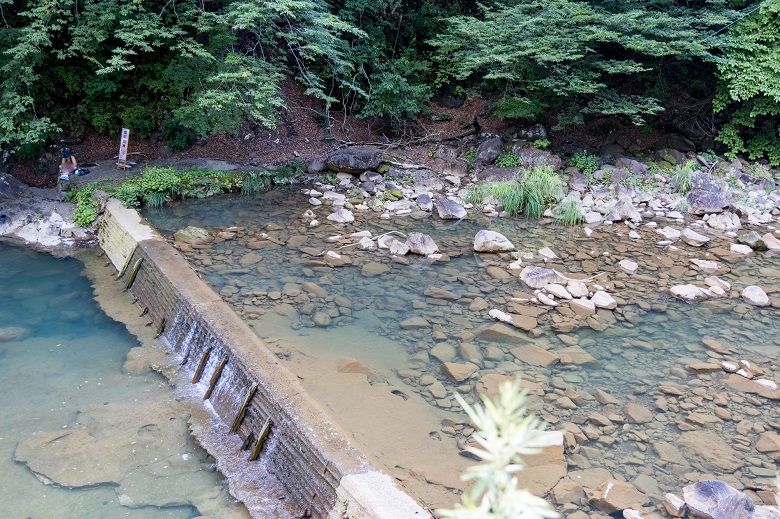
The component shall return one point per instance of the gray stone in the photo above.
(421, 244)
(354, 160)
(341, 216)
(539, 277)
(449, 209)
(530, 156)
(693, 238)
(424, 202)
(703, 202)
(10, 187)
(488, 150)
(690, 293)
(624, 210)
(753, 240)
(636, 413)
(316, 166)
(727, 221)
(491, 241)
(755, 295)
(498, 174)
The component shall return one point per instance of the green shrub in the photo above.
(130, 193)
(584, 162)
(530, 193)
(568, 213)
(507, 160)
(160, 180)
(86, 205)
(541, 144)
(471, 154)
(505, 433)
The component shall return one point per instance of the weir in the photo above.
(257, 398)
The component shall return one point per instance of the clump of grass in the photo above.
(568, 213)
(530, 193)
(681, 176)
(255, 182)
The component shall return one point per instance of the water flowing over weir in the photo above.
(259, 400)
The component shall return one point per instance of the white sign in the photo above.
(124, 141)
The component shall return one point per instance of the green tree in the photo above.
(749, 88)
(69, 64)
(542, 53)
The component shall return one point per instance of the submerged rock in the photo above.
(539, 277)
(13, 333)
(192, 234)
(615, 496)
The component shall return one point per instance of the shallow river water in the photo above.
(79, 437)
(638, 389)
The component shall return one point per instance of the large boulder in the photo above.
(488, 150)
(449, 209)
(708, 194)
(491, 241)
(530, 156)
(354, 160)
(10, 187)
(713, 499)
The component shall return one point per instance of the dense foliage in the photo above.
(187, 68)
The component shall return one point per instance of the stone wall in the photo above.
(311, 456)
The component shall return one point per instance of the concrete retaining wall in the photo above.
(311, 457)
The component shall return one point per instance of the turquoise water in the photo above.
(61, 363)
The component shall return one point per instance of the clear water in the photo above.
(61, 369)
(647, 342)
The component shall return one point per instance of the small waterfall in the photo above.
(262, 407)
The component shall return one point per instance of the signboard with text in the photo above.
(124, 142)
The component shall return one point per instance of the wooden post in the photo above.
(260, 440)
(242, 411)
(134, 273)
(201, 365)
(215, 377)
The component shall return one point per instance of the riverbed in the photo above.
(638, 389)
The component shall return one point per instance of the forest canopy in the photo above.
(188, 68)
